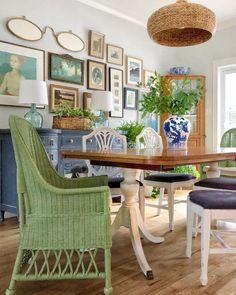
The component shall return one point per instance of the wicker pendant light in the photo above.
(181, 24)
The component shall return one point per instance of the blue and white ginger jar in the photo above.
(177, 130)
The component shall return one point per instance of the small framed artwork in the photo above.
(59, 94)
(65, 68)
(96, 44)
(131, 98)
(96, 72)
(18, 63)
(147, 77)
(134, 69)
(86, 100)
(116, 87)
(115, 55)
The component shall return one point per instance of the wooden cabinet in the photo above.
(196, 115)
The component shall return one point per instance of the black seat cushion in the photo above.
(213, 199)
(169, 177)
(114, 182)
(218, 183)
(77, 170)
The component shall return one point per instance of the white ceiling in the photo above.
(138, 11)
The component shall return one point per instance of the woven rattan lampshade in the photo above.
(181, 24)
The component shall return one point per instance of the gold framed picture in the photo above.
(96, 73)
(115, 54)
(134, 70)
(65, 68)
(96, 44)
(59, 94)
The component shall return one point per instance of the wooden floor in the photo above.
(173, 272)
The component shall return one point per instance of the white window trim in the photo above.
(217, 66)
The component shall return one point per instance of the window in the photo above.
(227, 98)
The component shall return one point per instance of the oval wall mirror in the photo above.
(24, 29)
(70, 41)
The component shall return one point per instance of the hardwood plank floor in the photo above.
(173, 272)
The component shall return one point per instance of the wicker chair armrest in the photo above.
(63, 182)
(82, 182)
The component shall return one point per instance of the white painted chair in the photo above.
(209, 205)
(150, 139)
(105, 139)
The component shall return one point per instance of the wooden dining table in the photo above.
(132, 161)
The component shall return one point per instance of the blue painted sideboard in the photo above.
(54, 141)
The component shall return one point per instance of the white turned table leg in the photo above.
(145, 232)
(130, 217)
(213, 170)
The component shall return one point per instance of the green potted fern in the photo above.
(130, 129)
(72, 118)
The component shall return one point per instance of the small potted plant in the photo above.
(131, 129)
(176, 98)
(72, 118)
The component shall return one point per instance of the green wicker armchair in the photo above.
(64, 222)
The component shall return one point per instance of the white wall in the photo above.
(64, 15)
(201, 58)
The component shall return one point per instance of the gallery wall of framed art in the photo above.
(69, 73)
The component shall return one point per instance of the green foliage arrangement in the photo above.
(65, 110)
(175, 98)
(131, 129)
(190, 169)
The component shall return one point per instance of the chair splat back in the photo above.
(105, 138)
(149, 138)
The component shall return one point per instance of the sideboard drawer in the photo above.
(52, 155)
(50, 141)
(70, 141)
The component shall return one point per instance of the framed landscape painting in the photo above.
(131, 98)
(96, 72)
(96, 44)
(114, 55)
(18, 63)
(116, 87)
(134, 70)
(59, 94)
(66, 68)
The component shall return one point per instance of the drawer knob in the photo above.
(71, 140)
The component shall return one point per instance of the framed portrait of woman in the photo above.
(18, 63)
(96, 72)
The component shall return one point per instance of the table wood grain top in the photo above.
(154, 159)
